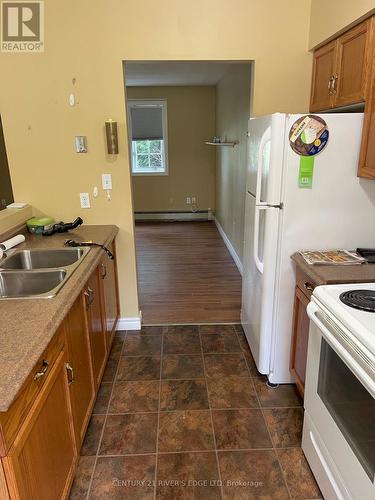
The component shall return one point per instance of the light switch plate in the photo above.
(107, 181)
(85, 200)
(81, 144)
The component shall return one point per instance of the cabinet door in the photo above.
(41, 463)
(352, 64)
(81, 383)
(366, 166)
(108, 275)
(322, 78)
(95, 326)
(300, 338)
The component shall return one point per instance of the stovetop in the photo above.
(360, 322)
(364, 300)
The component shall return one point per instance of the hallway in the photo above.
(186, 274)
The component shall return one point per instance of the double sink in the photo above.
(38, 273)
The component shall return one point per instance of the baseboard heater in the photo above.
(186, 215)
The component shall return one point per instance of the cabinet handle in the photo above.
(89, 293)
(330, 83)
(43, 371)
(70, 373)
(308, 286)
(334, 81)
(104, 271)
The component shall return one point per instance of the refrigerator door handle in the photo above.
(258, 263)
(265, 138)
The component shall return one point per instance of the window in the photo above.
(148, 136)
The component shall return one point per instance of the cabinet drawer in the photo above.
(305, 283)
(15, 416)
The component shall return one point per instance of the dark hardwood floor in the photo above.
(186, 274)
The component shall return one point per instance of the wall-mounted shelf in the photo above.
(231, 144)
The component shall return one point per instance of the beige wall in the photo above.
(88, 40)
(191, 122)
(329, 17)
(232, 114)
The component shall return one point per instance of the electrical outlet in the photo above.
(107, 181)
(85, 200)
(193, 200)
(188, 200)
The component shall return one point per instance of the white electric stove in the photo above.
(339, 423)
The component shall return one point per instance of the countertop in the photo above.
(28, 325)
(326, 274)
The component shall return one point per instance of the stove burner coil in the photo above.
(359, 299)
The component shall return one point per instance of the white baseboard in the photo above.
(170, 216)
(129, 323)
(229, 246)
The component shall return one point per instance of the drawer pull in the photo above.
(308, 286)
(43, 371)
(70, 372)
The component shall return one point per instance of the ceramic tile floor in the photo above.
(182, 413)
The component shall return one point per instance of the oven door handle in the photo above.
(351, 363)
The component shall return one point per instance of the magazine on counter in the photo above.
(335, 257)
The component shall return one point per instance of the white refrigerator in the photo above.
(281, 218)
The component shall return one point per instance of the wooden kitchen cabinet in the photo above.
(352, 65)
(341, 69)
(42, 431)
(93, 303)
(366, 167)
(110, 300)
(42, 460)
(322, 79)
(300, 339)
(300, 329)
(80, 376)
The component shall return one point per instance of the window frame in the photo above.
(139, 102)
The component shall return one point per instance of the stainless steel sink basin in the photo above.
(37, 273)
(31, 284)
(43, 258)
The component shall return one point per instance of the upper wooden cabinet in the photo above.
(366, 166)
(352, 65)
(341, 69)
(322, 79)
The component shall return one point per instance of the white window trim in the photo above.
(139, 102)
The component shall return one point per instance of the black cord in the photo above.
(72, 243)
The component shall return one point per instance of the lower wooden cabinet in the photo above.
(42, 432)
(110, 302)
(41, 463)
(92, 296)
(80, 377)
(300, 339)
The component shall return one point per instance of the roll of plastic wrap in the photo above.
(12, 242)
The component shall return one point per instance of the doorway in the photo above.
(187, 125)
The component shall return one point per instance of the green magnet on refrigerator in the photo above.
(306, 172)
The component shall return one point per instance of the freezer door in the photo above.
(265, 158)
(260, 260)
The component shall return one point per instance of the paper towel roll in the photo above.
(1, 253)
(12, 242)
